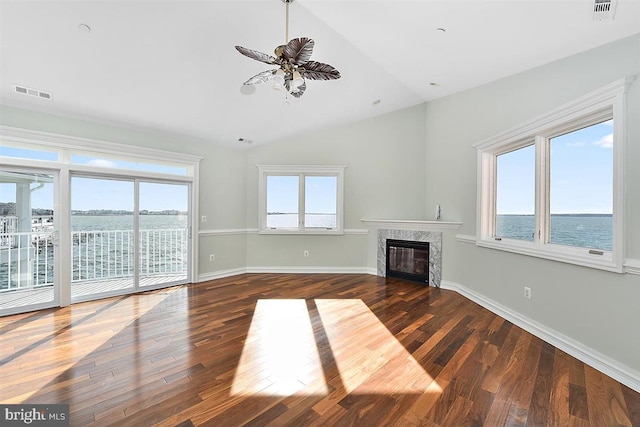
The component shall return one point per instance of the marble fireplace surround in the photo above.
(417, 231)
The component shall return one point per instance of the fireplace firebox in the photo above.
(408, 260)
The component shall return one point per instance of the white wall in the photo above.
(384, 179)
(595, 308)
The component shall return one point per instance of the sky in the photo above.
(320, 194)
(89, 193)
(581, 172)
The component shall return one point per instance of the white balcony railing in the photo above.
(26, 259)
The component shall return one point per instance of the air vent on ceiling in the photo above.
(32, 92)
(603, 10)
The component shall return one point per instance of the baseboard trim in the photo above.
(309, 270)
(285, 270)
(221, 274)
(591, 357)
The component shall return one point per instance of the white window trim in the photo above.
(66, 145)
(586, 109)
(306, 170)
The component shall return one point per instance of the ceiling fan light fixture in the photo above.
(297, 79)
(247, 89)
(294, 61)
(278, 77)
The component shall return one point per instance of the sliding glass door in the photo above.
(164, 233)
(102, 237)
(128, 235)
(28, 241)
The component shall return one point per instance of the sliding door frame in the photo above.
(56, 301)
(136, 181)
(66, 146)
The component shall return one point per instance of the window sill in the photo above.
(569, 255)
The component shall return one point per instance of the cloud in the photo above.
(102, 163)
(605, 142)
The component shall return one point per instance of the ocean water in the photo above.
(590, 231)
(289, 220)
(125, 222)
(594, 231)
(161, 251)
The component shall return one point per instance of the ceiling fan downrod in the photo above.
(286, 26)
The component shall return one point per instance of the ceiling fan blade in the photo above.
(262, 77)
(298, 50)
(258, 56)
(319, 71)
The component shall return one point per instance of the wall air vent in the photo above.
(32, 92)
(603, 10)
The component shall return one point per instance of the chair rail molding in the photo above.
(632, 266)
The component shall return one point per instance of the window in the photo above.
(515, 194)
(581, 187)
(111, 161)
(301, 199)
(553, 187)
(28, 148)
(26, 151)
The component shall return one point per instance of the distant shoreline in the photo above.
(563, 214)
(116, 213)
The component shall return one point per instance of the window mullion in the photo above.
(541, 233)
(301, 200)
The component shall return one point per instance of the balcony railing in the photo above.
(26, 259)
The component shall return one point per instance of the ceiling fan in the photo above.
(294, 61)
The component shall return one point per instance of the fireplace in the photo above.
(408, 260)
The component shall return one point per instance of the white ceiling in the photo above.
(172, 66)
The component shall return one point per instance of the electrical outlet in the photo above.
(305, 253)
(212, 257)
(527, 292)
(204, 218)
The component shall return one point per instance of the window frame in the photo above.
(301, 171)
(608, 102)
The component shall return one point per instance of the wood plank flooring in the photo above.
(81, 290)
(300, 350)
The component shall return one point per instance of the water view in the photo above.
(593, 231)
(102, 245)
(311, 220)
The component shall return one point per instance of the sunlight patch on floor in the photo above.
(370, 359)
(67, 346)
(280, 356)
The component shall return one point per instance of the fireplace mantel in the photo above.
(400, 224)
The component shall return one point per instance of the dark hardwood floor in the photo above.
(300, 350)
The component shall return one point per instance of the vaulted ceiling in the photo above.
(172, 66)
